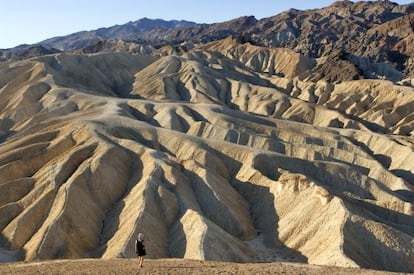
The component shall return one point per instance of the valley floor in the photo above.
(170, 266)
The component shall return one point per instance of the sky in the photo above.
(31, 21)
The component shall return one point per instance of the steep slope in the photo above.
(366, 39)
(207, 153)
(354, 30)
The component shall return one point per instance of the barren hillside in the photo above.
(227, 151)
(209, 155)
(366, 38)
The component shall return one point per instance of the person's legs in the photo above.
(141, 261)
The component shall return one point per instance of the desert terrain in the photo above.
(239, 154)
(173, 266)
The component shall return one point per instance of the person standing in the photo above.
(140, 248)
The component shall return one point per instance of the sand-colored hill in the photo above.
(212, 155)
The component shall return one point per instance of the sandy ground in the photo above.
(264, 254)
(170, 266)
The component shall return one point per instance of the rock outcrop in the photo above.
(221, 153)
(366, 39)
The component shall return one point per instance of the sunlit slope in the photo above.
(204, 152)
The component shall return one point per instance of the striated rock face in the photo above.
(366, 39)
(228, 152)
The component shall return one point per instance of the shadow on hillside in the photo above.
(111, 221)
(265, 218)
(262, 213)
(7, 255)
(386, 162)
(393, 219)
(405, 174)
(262, 207)
(107, 76)
(178, 241)
(6, 125)
(365, 249)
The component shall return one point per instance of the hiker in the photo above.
(140, 248)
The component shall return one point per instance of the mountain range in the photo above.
(358, 35)
(287, 139)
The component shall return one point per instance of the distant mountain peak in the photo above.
(342, 4)
(360, 28)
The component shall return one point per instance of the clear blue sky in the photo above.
(30, 21)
